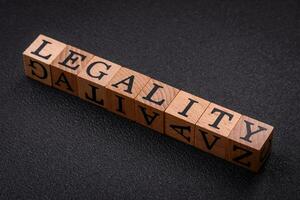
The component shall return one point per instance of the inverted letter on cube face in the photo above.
(182, 115)
(250, 143)
(151, 103)
(94, 78)
(38, 57)
(213, 128)
(67, 66)
(122, 90)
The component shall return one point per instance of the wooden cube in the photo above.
(93, 80)
(213, 128)
(151, 103)
(122, 90)
(182, 115)
(38, 57)
(66, 67)
(250, 143)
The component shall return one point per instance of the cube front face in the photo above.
(151, 103)
(91, 92)
(178, 129)
(37, 70)
(182, 115)
(66, 67)
(93, 79)
(213, 128)
(250, 143)
(121, 104)
(149, 117)
(122, 90)
(38, 57)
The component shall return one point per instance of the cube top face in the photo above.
(72, 60)
(218, 119)
(44, 49)
(128, 82)
(187, 107)
(157, 94)
(99, 71)
(251, 133)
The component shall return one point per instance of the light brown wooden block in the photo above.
(250, 143)
(38, 57)
(122, 90)
(94, 78)
(151, 103)
(66, 67)
(182, 115)
(213, 128)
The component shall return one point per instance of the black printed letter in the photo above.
(100, 76)
(249, 132)
(184, 112)
(72, 57)
(209, 146)
(62, 78)
(246, 154)
(180, 130)
(129, 84)
(148, 118)
(34, 64)
(220, 117)
(94, 96)
(151, 93)
(120, 104)
(38, 50)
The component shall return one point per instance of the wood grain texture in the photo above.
(151, 103)
(38, 57)
(66, 67)
(213, 128)
(185, 117)
(250, 138)
(122, 90)
(182, 115)
(94, 78)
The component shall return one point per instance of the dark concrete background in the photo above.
(242, 55)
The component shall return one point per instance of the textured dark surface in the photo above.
(244, 56)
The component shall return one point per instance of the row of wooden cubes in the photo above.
(188, 118)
